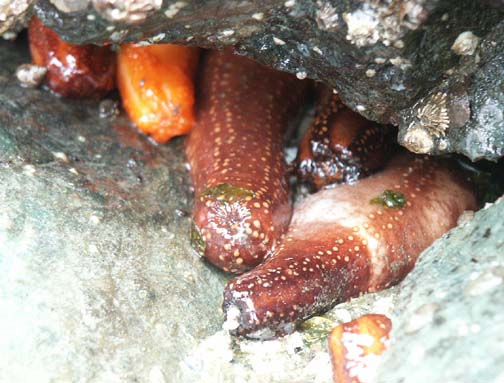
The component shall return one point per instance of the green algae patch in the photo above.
(390, 199)
(197, 241)
(227, 193)
(316, 330)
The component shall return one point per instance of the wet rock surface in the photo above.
(432, 67)
(99, 283)
(448, 321)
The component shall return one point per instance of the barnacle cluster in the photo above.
(430, 121)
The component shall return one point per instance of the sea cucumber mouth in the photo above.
(232, 321)
(242, 319)
(239, 311)
(236, 325)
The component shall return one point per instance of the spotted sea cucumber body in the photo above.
(356, 346)
(340, 245)
(235, 151)
(75, 71)
(341, 145)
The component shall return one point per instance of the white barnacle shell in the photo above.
(418, 139)
(465, 44)
(433, 114)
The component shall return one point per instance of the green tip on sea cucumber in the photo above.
(227, 193)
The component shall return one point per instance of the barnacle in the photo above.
(433, 115)
(418, 139)
(431, 120)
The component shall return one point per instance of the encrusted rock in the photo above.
(448, 321)
(13, 15)
(128, 11)
(385, 58)
(30, 75)
(465, 44)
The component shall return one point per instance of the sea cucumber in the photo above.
(156, 83)
(341, 145)
(355, 347)
(235, 152)
(74, 71)
(346, 241)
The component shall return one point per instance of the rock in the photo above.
(99, 283)
(30, 75)
(464, 113)
(391, 61)
(13, 16)
(448, 324)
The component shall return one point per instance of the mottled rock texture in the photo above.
(99, 283)
(433, 67)
(13, 15)
(448, 323)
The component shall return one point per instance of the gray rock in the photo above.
(13, 16)
(432, 67)
(448, 325)
(99, 283)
